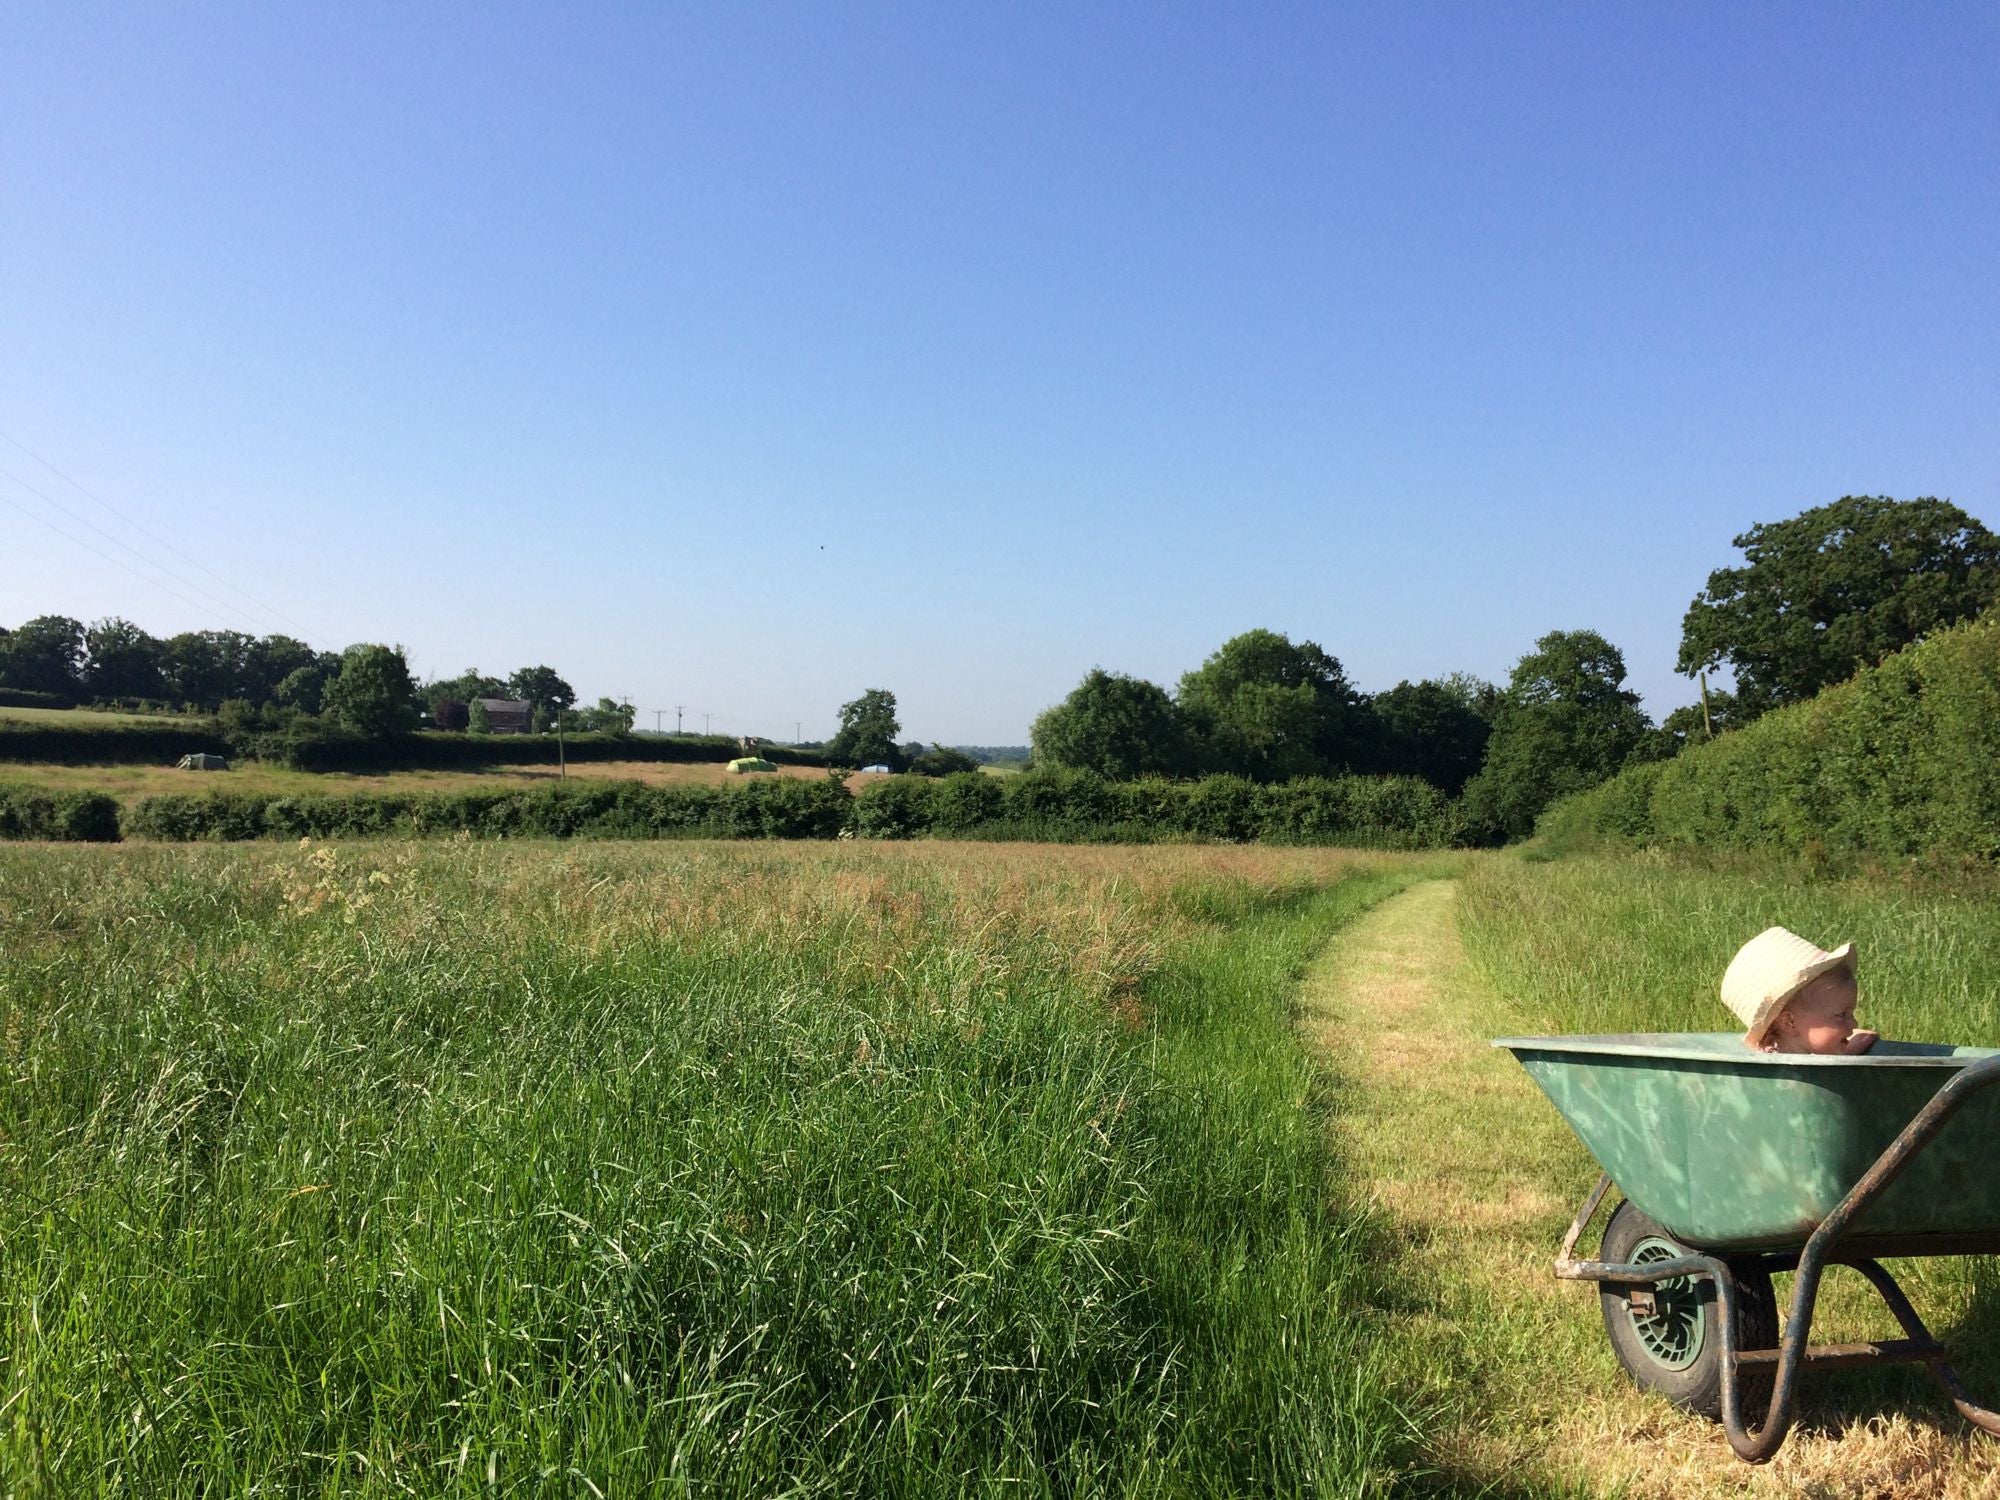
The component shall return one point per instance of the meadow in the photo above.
(452, 1167)
(634, 1169)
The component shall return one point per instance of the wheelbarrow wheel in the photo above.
(1665, 1334)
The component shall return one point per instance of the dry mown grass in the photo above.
(125, 782)
(1478, 1177)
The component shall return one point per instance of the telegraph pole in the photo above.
(677, 718)
(704, 723)
(656, 719)
(796, 723)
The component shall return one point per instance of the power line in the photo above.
(147, 531)
(221, 604)
(153, 582)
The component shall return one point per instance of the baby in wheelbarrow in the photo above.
(1794, 996)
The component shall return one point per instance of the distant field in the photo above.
(80, 717)
(126, 782)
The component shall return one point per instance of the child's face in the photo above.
(1820, 1018)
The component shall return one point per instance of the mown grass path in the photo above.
(1475, 1178)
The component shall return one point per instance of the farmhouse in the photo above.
(509, 715)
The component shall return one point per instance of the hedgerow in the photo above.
(1902, 760)
(1065, 806)
(68, 817)
(43, 743)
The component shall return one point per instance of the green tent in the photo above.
(750, 763)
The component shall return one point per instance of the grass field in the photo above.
(127, 782)
(1476, 1176)
(906, 1170)
(79, 717)
(720, 1170)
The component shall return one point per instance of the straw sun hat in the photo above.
(1769, 970)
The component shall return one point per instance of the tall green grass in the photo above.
(1639, 942)
(464, 1168)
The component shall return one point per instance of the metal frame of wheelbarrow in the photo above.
(1829, 1244)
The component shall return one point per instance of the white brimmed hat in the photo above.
(1769, 970)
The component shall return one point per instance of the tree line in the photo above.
(273, 680)
(1816, 598)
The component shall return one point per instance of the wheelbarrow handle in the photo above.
(1886, 1168)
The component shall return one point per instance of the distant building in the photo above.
(509, 715)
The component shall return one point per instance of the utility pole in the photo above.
(795, 730)
(677, 718)
(656, 719)
(1706, 722)
(704, 724)
(562, 755)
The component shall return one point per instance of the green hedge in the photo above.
(1902, 760)
(47, 743)
(321, 747)
(70, 817)
(23, 698)
(787, 807)
(1073, 806)
(1381, 811)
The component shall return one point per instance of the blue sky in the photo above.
(746, 356)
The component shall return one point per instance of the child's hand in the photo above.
(1858, 1042)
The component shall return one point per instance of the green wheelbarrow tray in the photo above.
(1754, 1162)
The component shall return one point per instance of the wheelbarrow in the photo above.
(1735, 1164)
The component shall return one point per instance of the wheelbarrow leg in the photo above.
(1984, 1418)
(1762, 1445)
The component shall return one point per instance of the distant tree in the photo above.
(373, 693)
(477, 719)
(1836, 588)
(1566, 723)
(46, 655)
(451, 715)
(1266, 708)
(205, 667)
(1115, 725)
(123, 661)
(867, 733)
(268, 661)
(942, 760)
(304, 688)
(542, 688)
(609, 717)
(464, 688)
(1436, 729)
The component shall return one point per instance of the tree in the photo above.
(477, 719)
(541, 687)
(124, 661)
(44, 656)
(1566, 723)
(1115, 725)
(373, 693)
(867, 732)
(466, 687)
(609, 717)
(1836, 588)
(1266, 708)
(1437, 729)
(268, 661)
(451, 715)
(205, 667)
(942, 760)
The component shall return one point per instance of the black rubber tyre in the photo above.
(1676, 1350)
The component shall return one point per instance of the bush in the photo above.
(65, 817)
(1903, 760)
(23, 698)
(902, 807)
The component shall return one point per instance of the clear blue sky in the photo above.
(747, 356)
